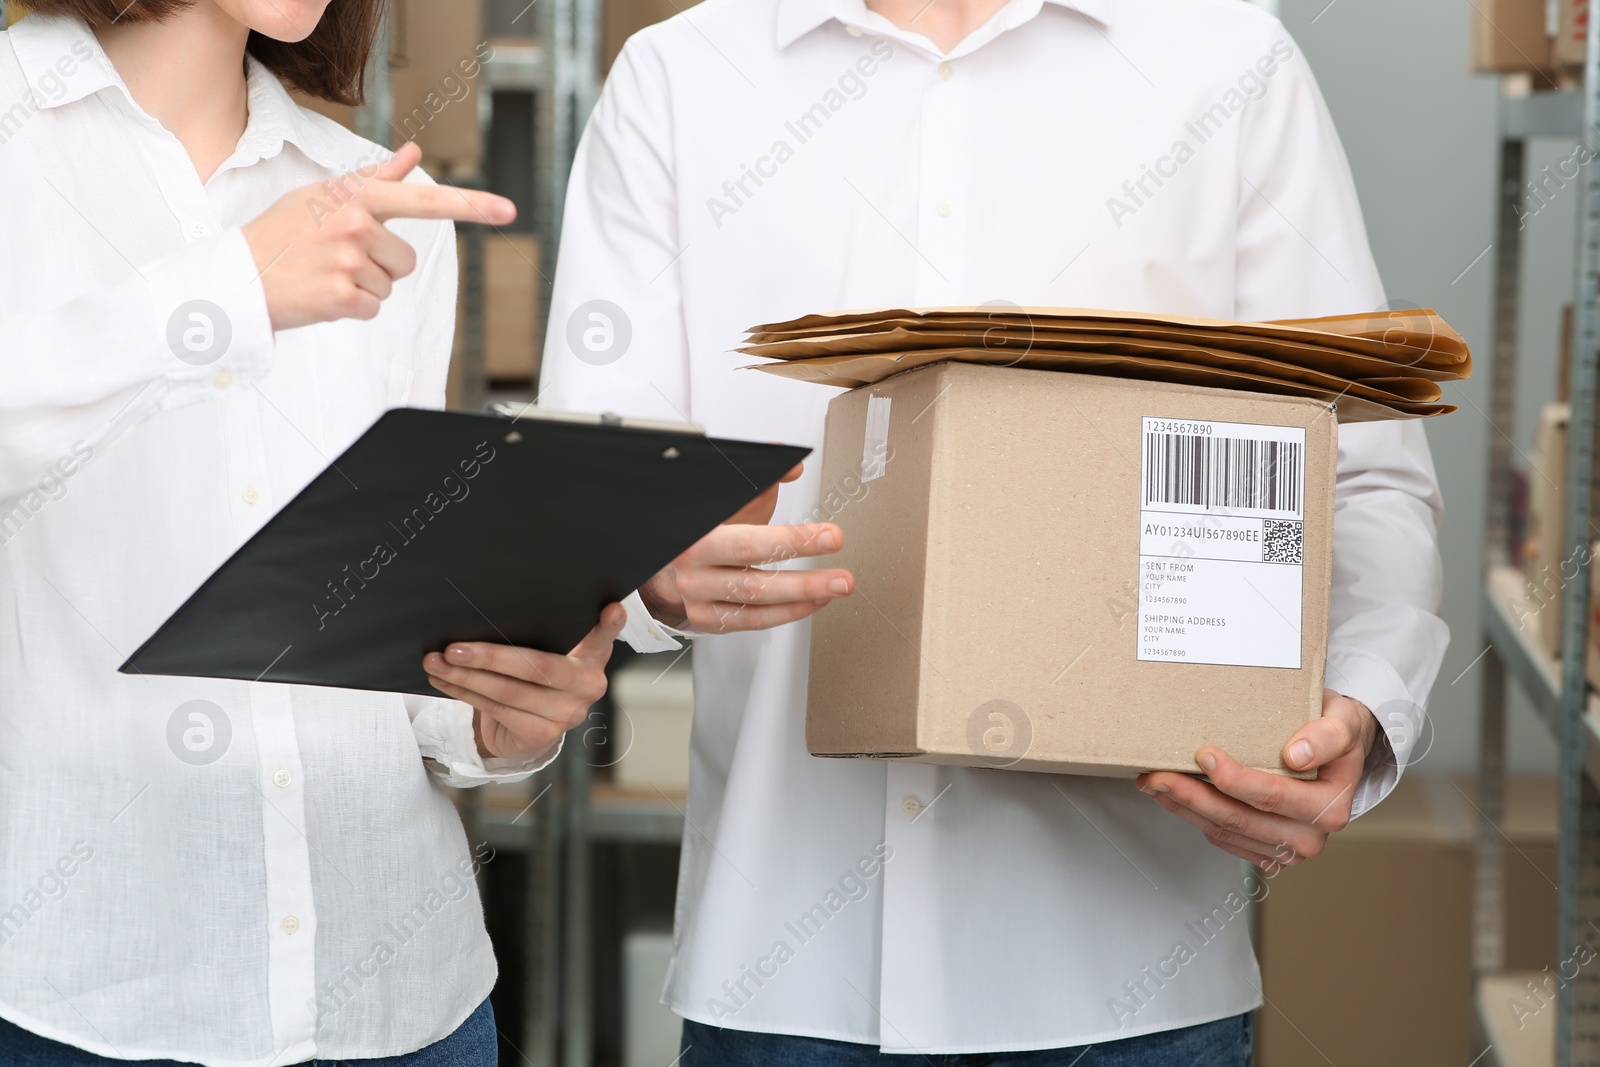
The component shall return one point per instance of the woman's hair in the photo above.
(331, 63)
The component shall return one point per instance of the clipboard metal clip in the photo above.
(507, 410)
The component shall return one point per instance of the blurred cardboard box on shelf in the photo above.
(436, 57)
(654, 710)
(437, 51)
(975, 639)
(512, 291)
(511, 301)
(1529, 36)
(1571, 34)
(622, 19)
(1542, 551)
(1379, 928)
(1510, 36)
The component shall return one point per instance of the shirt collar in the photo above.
(276, 120)
(62, 61)
(796, 18)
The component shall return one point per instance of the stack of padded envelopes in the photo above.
(1382, 365)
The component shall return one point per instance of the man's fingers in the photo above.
(595, 648)
(759, 511)
(1232, 815)
(1319, 743)
(752, 585)
(754, 546)
(413, 200)
(1318, 801)
(1241, 845)
(396, 167)
(722, 618)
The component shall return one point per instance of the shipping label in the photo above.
(1221, 542)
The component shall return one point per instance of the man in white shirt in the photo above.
(749, 162)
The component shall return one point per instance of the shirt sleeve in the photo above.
(438, 277)
(1302, 251)
(116, 355)
(444, 732)
(617, 278)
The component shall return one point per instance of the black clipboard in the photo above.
(443, 526)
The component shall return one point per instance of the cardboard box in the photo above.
(1017, 606)
(1379, 929)
(1571, 46)
(512, 289)
(622, 19)
(437, 51)
(654, 711)
(1547, 496)
(1510, 36)
(511, 302)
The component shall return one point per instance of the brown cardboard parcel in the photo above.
(1000, 523)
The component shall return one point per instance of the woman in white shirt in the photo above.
(203, 305)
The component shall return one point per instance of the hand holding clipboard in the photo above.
(440, 528)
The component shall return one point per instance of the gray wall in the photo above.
(1421, 135)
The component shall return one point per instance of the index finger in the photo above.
(414, 200)
(399, 164)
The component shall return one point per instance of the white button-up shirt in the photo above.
(749, 162)
(202, 870)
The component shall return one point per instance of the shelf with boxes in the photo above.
(1543, 38)
(1407, 976)
(1536, 597)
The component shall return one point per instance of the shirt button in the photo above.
(222, 379)
(197, 231)
(854, 31)
(250, 497)
(911, 805)
(290, 924)
(946, 70)
(943, 208)
(281, 778)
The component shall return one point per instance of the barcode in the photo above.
(1223, 472)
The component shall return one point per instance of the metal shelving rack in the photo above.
(1569, 1035)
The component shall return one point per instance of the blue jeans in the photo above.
(472, 1045)
(1225, 1043)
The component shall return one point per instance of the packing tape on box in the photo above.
(875, 442)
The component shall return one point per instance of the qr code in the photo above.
(1283, 541)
